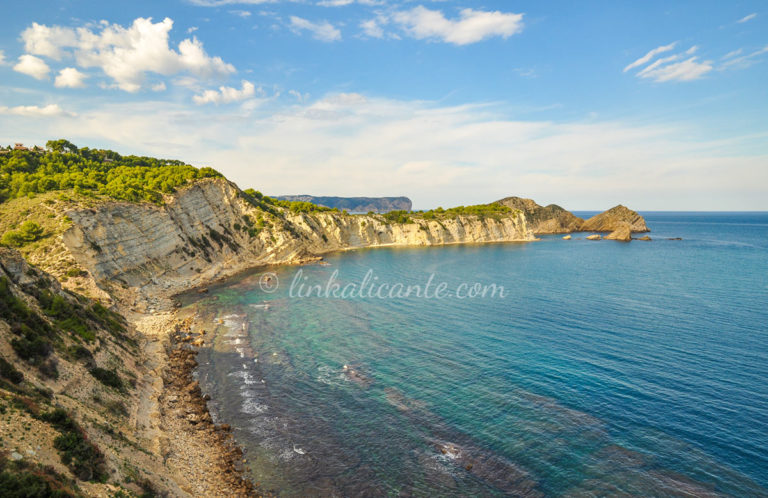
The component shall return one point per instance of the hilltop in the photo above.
(355, 204)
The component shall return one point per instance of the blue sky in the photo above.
(659, 105)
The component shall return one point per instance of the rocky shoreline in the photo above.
(204, 452)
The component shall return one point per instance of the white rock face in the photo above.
(197, 237)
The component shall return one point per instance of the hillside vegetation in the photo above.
(64, 166)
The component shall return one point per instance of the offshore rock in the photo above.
(623, 233)
(614, 219)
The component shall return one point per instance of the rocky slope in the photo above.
(355, 204)
(91, 406)
(210, 230)
(544, 220)
(615, 219)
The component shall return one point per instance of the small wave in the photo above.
(252, 407)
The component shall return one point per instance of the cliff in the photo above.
(355, 204)
(544, 220)
(210, 230)
(614, 219)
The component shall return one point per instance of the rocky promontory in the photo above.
(544, 220)
(615, 219)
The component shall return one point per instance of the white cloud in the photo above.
(33, 110)
(358, 145)
(240, 13)
(192, 29)
(371, 28)
(225, 94)
(471, 27)
(159, 87)
(671, 68)
(48, 41)
(2, 58)
(650, 55)
(69, 77)
(687, 70)
(125, 54)
(746, 18)
(323, 31)
(32, 66)
(744, 61)
(344, 3)
(219, 3)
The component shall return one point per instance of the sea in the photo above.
(548, 368)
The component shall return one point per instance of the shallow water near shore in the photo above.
(607, 367)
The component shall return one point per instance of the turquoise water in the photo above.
(607, 367)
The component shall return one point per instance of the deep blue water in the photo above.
(607, 367)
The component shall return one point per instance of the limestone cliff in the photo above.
(544, 220)
(210, 230)
(615, 219)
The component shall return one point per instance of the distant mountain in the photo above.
(355, 204)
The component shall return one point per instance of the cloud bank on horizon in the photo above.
(441, 101)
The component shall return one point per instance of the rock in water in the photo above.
(594, 237)
(613, 219)
(567, 237)
(645, 237)
(544, 220)
(623, 233)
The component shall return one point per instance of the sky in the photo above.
(656, 105)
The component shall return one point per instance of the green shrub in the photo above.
(29, 231)
(9, 372)
(109, 378)
(75, 451)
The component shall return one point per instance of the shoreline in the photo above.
(203, 458)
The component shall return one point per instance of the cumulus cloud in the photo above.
(125, 54)
(2, 58)
(69, 77)
(48, 41)
(323, 30)
(472, 25)
(32, 66)
(372, 28)
(746, 18)
(33, 110)
(650, 55)
(226, 94)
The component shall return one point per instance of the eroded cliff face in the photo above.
(201, 234)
